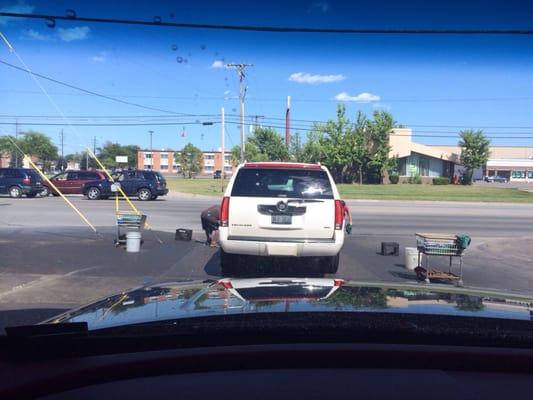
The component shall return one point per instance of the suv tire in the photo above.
(330, 265)
(144, 194)
(93, 193)
(15, 192)
(45, 192)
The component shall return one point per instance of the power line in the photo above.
(157, 22)
(88, 91)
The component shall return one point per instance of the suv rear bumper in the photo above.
(256, 246)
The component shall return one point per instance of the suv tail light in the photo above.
(26, 180)
(224, 212)
(338, 214)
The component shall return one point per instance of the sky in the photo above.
(435, 84)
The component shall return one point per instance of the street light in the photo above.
(151, 151)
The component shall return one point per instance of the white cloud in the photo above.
(31, 34)
(363, 97)
(303, 77)
(71, 34)
(218, 64)
(20, 7)
(98, 58)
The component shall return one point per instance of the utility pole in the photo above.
(151, 151)
(288, 122)
(94, 145)
(16, 140)
(62, 152)
(240, 70)
(222, 149)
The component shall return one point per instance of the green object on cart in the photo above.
(463, 241)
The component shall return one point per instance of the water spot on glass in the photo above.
(179, 59)
(157, 19)
(174, 47)
(233, 110)
(203, 47)
(202, 136)
(50, 22)
(70, 13)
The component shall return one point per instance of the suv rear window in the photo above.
(293, 183)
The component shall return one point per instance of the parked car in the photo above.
(496, 178)
(19, 181)
(281, 209)
(218, 174)
(71, 182)
(146, 185)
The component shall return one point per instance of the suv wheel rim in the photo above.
(144, 194)
(93, 193)
(45, 192)
(14, 192)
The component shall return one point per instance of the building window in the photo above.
(209, 156)
(164, 166)
(164, 156)
(147, 167)
(518, 174)
(175, 167)
(227, 169)
(530, 174)
(208, 168)
(147, 154)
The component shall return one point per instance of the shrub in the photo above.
(441, 181)
(416, 179)
(394, 179)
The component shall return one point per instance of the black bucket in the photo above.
(184, 234)
(390, 249)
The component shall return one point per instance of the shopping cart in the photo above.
(438, 244)
(129, 222)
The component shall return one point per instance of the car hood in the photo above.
(175, 300)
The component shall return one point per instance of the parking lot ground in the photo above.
(49, 260)
(46, 270)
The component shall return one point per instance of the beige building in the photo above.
(512, 162)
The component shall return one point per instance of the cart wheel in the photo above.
(427, 280)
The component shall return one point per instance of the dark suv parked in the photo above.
(146, 185)
(19, 181)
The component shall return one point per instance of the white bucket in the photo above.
(411, 258)
(133, 242)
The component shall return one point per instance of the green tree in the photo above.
(361, 145)
(109, 151)
(8, 148)
(190, 159)
(39, 146)
(296, 148)
(312, 150)
(475, 151)
(270, 145)
(379, 130)
(265, 144)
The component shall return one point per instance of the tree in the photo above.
(39, 146)
(379, 130)
(265, 144)
(7, 147)
(190, 159)
(475, 151)
(312, 150)
(295, 148)
(361, 145)
(109, 151)
(270, 145)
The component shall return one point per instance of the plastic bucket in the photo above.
(411, 258)
(133, 242)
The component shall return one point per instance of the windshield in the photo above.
(379, 144)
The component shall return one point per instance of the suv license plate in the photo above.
(282, 219)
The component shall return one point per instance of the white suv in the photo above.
(281, 209)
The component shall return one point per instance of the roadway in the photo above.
(50, 261)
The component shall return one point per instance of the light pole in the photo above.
(240, 70)
(151, 151)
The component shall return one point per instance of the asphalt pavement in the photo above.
(51, 261)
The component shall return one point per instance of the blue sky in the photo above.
(469, 81)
